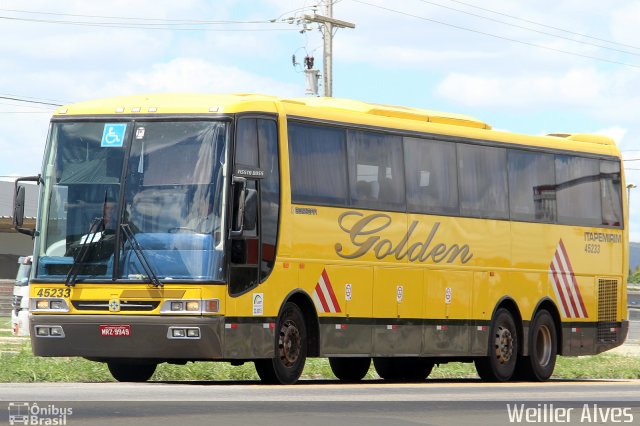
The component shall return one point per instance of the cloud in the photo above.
(575, 87)
(616, 133)
(197, 75)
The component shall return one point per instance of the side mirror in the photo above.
(18, 204)
(239, 194)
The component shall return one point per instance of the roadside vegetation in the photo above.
(19, 365)
(5, 326)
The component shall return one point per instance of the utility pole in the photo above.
(328, 23)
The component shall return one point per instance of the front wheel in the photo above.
(500, 363)
(131, 371)
(291, 349)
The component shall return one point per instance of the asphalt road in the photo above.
(371, 403)
(325, 390)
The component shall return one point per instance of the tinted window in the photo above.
(578, 190)
(318, 164)
(376, 171)
(269, 192)
(432, 180)
(246, 148)
(611, 188)
(532, 194)
(483, 181)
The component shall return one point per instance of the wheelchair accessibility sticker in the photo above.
(113, 134)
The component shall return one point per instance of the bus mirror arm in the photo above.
(18, 204)
(239, 194)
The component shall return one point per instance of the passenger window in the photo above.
(431, 174)
(483, 181)
(376, 171)
(532, 188)
(611, 189)
(578, 190)
(318, 164)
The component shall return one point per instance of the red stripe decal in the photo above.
(323, 301)
(567, 285)
(556, 283)
(573, 278)
(330, 289)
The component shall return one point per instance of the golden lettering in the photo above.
(364, 235)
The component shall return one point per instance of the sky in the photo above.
(533, 67)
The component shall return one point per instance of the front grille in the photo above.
(607, 310)
(125, 305)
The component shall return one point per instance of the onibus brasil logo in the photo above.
(25, 413)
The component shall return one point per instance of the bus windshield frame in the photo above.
(164, 179)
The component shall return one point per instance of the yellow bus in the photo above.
(250, 228)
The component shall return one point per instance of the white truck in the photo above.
(20, 305)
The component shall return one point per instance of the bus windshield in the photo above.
(162, 179)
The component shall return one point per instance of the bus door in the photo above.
(252, 242)
(253, 250)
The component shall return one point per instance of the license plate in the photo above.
(115, 330)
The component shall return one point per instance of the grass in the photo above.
(22, 366)
(5, 326)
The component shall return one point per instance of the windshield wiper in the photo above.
(86, 243)
(139, 252)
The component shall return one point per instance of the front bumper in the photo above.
(148, 338)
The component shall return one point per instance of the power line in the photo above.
(159, 20)
(544, 25)
(139, 26)
(530, 29)
(40, 107)
(32, 98)
(497, 36)
(29, 101)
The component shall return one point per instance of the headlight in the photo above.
(193, 306)
(49, 305)
(182, 307)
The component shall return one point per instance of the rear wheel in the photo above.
(543, 349)
(131, 371)
(500, 364)
(350, 369)
(411, 369)
(291, 349)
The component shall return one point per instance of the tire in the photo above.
(131, 371)
(350, 369)
(500, 363)
(291, 349)
(543, 349)
(410, 369)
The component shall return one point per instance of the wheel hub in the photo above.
(543, 346)
(289, 343)
(504, 345)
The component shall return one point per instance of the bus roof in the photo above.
(332, 109)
